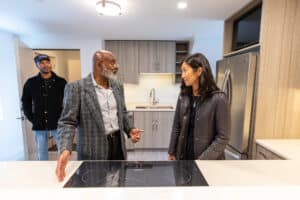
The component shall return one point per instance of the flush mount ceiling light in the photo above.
(108, 7)
(181, 5)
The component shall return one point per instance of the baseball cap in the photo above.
(40, 57)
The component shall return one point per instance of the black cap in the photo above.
(40, 57)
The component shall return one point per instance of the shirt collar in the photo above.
(95, 84)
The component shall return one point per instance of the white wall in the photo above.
(11, 142)
(166, 91)
(211, 46)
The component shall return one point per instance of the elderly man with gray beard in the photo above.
(95, 105)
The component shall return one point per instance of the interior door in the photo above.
(25, 68)
(11, 142)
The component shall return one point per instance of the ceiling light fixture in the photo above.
(108, 7)
(181, 5)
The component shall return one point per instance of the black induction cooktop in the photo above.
(136, 174)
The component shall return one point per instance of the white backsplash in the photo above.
(166, 90)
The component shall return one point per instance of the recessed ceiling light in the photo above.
(181, 5)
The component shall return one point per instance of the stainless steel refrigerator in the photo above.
(237, 76)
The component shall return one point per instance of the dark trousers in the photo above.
(115, 151)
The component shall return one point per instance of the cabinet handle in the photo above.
(156, 125)
(21, 118)
(263, 155)
(152, 126)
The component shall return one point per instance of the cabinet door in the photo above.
(114, 47)
(264, 154)
(146, 56)
(139, 122)
(166, 56)
(162, 128)
(143, 120)
(126, 53)
(156, 56)
(129, 144)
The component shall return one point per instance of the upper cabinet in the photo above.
(242, 29)
(157, 56)
(182, 51)
(138, 56)
(127, 54)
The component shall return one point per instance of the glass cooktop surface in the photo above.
(136, 174)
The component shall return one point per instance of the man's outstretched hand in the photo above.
(61, 165)
(135, 134)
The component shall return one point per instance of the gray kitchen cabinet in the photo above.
(143, 120)
(182, 51)
(163, 122)
(126, 53)
(157, 56)
(157, 126)
(129, 144)
(265, 154)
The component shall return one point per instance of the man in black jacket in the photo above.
(42, 103)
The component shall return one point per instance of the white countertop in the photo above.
(285, 148)
(276, 179)
(33, 174)
(251, 172)
(41, 174)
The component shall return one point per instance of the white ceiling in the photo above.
(150, 19)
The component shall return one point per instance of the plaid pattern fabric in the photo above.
(81, 110)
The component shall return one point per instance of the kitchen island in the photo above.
(276, 179)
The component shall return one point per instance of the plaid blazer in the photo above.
(81, 110)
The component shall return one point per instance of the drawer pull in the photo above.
(263, 155)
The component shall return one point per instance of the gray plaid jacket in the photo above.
(81, 110)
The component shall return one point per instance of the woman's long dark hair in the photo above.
(206, 80)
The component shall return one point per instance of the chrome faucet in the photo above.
(152, 97)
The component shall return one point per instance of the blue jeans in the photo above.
(41, 140)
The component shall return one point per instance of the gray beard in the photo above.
(109, 74)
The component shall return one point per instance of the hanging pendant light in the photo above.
(108, 7)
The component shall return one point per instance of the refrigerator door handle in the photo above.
(232, 155)
(223, 87)
(229, 88)
(227, 85)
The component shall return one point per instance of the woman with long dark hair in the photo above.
(202, 120)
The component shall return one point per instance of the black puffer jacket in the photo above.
(211, 130)
(42, 103)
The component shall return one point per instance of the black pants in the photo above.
(115, 151)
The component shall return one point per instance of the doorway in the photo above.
(65, 63)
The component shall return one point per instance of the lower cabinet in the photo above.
(157, 126)
(265, 154)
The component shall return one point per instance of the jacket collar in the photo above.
(95, 84)
(53, 75)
